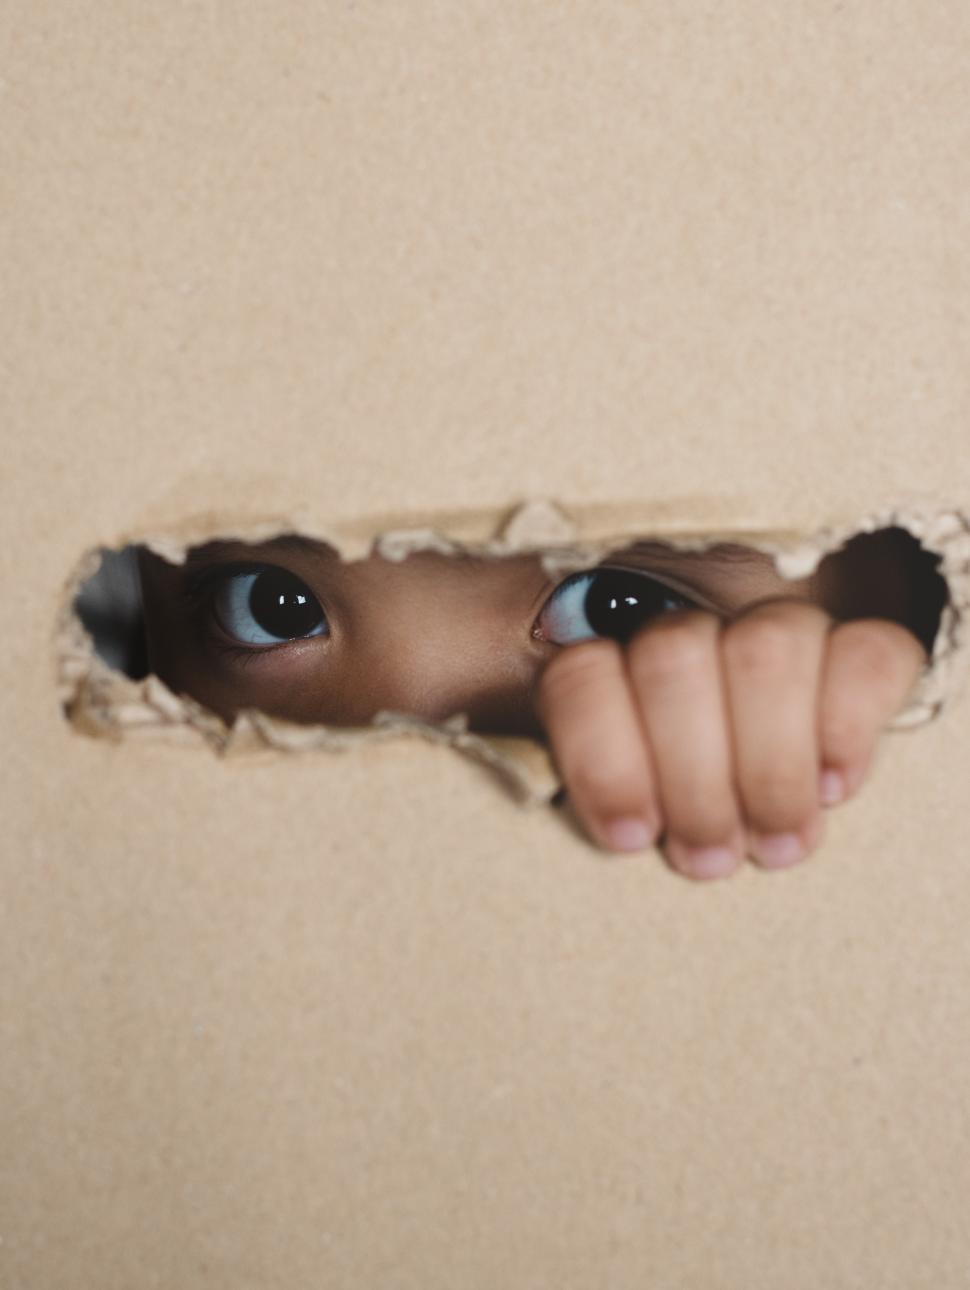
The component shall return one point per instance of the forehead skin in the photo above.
(432, 635)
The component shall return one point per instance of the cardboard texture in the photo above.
(359, 1018)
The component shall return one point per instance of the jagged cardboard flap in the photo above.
(358, 1020)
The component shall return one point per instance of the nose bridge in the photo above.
(441, 645)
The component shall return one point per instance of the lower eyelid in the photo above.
(213, 639)
(247, 654)
(244, 654)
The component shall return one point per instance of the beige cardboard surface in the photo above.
(359, 1019)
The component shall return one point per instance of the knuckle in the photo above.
(785, 609)
(844, 735)
(575, 671)
(880, 650)
(696, 833)
(778, 794)
(671, 647)
(600, 787)
(761, 644)
(700, 804)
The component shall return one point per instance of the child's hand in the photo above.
(728, 738)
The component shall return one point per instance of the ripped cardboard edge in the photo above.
(102, 702)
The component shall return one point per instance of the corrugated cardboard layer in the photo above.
(358, 1019)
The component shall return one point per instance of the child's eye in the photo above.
(604, 602)
(267, 606)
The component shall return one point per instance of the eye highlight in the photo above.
(614, 603)
(267, 605)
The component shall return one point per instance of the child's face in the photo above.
(288, 628)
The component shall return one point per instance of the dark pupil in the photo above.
(618, 603)
(283, 605)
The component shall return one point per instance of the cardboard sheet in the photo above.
(359, 1018)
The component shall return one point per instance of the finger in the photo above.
(588, 710)
(675, 671)
(869, 672)
(773, 658)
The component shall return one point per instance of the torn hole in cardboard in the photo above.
(107, 689)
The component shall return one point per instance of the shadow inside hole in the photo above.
(109, 606)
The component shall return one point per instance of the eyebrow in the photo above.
(720, 553)
(292, 542)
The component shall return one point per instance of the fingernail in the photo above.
(831, 787)
(777, 850)
(703, 862)
(628, 834)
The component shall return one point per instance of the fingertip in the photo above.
(628, 834)
(838, 783)
(777, 850)
(702, 864)
(570, 675)
(785, 850)
(831, 787)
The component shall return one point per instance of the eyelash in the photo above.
(686, 593)
(200, 583)
(690, 594)
(244, 653)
